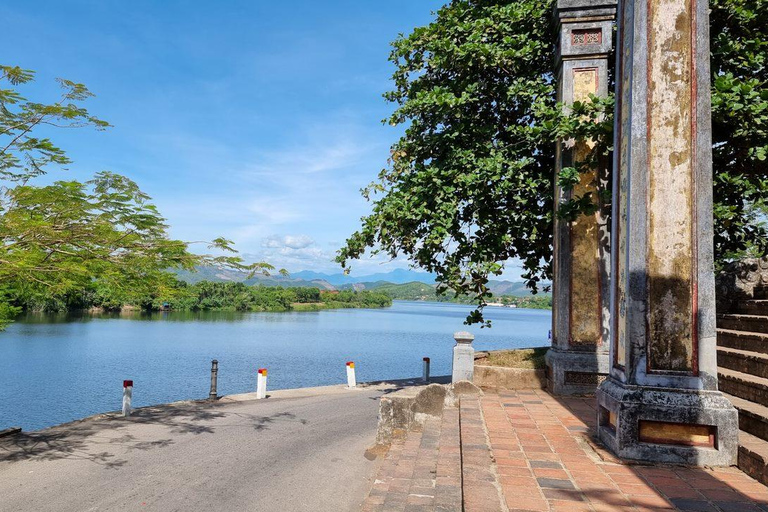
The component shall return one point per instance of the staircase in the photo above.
(742, 360)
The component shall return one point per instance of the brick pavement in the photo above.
(529, 451)
(422, 472)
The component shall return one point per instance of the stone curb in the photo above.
(408, 409)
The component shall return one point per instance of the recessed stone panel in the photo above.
(659, 432)
(586, 300)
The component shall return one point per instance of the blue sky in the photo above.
(258, 121)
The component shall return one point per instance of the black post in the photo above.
(214, 377)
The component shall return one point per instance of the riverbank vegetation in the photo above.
(71, 242)
(201, 296)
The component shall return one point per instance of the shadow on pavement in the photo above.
(660, 486)
(95, 439)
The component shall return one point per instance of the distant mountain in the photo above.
(235, 276)
(418, 282)
(516, 288)
(397, 276)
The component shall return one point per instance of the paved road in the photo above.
(292, 453)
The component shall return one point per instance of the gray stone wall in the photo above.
(739, 281)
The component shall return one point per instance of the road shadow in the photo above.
(97, 439)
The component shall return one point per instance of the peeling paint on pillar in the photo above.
(670, 223)
(579, 358)
(586, 281)
(660, 402)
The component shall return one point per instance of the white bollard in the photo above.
(261, 383)
(351, 382)
(127, 397)
(425, 375)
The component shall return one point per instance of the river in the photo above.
(58, 368)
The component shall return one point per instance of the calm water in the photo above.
(55, 369)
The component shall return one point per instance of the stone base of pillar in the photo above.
(667, 425)
(575, 373)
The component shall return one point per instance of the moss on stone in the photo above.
(532, 358)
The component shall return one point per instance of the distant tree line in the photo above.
(421, 291)
(202, 296)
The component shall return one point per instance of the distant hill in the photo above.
(516, 288)
(219, 275)
(396, 283)
(422, 291)
(397, 276)
(414, 290)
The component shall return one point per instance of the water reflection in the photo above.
(168, 354)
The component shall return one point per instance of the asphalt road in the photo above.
(281, 454)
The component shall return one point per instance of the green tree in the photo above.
(60, 238)
(470, 184)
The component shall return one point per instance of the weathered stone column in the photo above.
(660, 402)
(578, 359)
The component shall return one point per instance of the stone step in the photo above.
(752, 307)
(753, 457)
(739, 322)
(743, 340)
(743, 385)
(753, 418)
(744, 361)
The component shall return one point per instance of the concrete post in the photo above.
(463, 357)
(351, 380)
(660, 402)
(127, 397)
(578, 359)
(261, 384)
(213, 394)
(425, 373)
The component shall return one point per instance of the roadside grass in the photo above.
(531, 358)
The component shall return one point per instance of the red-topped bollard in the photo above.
(425, 375)
(127, 397)
(351, 382)
(261, 384)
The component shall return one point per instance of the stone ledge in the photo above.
(499, 377)
(10, 431)
(409, 408)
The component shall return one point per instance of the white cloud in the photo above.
(287, 242)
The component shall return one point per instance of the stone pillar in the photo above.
(578, 359)
(660, 402)
(463, 357)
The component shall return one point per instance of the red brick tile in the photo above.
(518, 481)
(527, 503)
(511, 462)
(550, 473)
(569, 506)
(638, 490)
(723, 495)
(652, 502)
(514, 471)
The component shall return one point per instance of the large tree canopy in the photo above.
(63, 237)
(470, 184)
